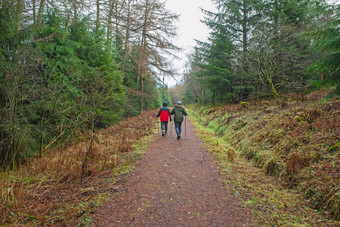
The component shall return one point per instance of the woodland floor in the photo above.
(176, 183)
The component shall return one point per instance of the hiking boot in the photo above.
(162, 133)
(178, 137)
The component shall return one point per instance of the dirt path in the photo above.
(175, 184)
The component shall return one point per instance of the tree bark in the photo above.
(142, 96)
(321, 74)
(75, 12)
(109, 21)
(41, 11)
(34, 11)
(244, 27)
(143, 56)
(98, 15)
(127, 34)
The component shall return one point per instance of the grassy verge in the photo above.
(64, 187)
(284, 167)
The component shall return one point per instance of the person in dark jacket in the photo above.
(179, 112)
(164, 114)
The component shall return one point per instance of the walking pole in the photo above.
(185, 123)
(158, 128)
(170, 128)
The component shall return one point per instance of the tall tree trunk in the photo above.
(138, 69)
(321, 74)
(19, 10)
(109, 20)
(117, 20)
(127, 35)
(244, 27)
(75, 12)
(142, 96)
(272, 86)
(98, 15)
(34, 11)
(143, 53)
(213, 97)
(41, 11)
(42, 134)
(276, 18)
(244, 45)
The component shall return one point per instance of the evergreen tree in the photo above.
(216, 67)
(262, 40)
(279, 54)
(60, 72)
(327, 43)
(164, 95)
(14, 53)
(101, 82)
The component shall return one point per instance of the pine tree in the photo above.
(327, 43)
(101, 82)
(216, 67)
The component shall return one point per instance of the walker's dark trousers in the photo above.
(178, 127)
(164, 126)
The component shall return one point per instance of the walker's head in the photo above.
(165, 104)
(179, 103)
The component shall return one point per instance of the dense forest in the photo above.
(81, 82)
(71, 66)
(262, 49)
(280, 52)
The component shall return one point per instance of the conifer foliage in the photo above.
(71, 67)
(264, 49)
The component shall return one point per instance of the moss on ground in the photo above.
(295, 149)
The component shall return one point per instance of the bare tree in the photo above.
(277, 65)
(127, 34)
(154, 42)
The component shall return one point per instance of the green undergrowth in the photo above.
(281, 158)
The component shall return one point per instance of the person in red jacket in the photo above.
(164, 114)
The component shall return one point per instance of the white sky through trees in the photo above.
(189, 28)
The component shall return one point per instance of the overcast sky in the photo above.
(189, 28)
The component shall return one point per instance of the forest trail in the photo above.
(175, 184)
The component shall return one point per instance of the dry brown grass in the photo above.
(270, 203)
(298, 142)
(62, 186)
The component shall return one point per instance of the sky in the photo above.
(189, 29)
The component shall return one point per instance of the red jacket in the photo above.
(164, 114)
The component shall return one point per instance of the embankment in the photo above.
(295, 141)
